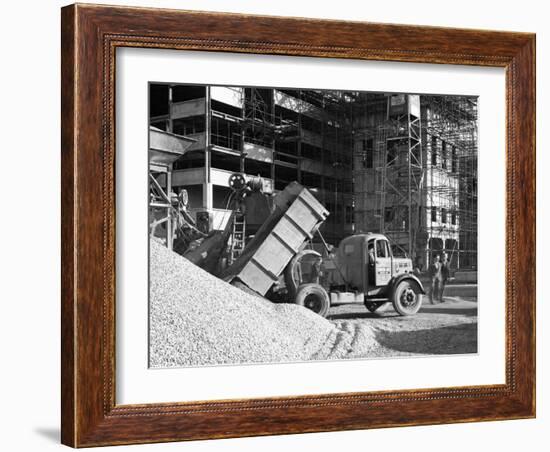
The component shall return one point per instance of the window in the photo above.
(454, 162)
(194, 194)
(434, 214)
(220, 197)
(225, 134)
(388, 214)
(443, 215)
(311, 124)
(382, 248)
(434, 150)
(162, 125)
(225, 108)
(444, 154)
(193, 159)
(188, 126)
(181, 93)
(368, 151)
(222, 160)
(308, 151)
(453, 217)
(257, 168)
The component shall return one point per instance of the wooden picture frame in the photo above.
(90, 36)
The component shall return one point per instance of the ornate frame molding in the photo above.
(90, 37)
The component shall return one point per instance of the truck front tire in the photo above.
(312, 296)
(407, 298)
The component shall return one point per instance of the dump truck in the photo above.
(361, 270)
(295, 218)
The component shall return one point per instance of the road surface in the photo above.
(440, 329)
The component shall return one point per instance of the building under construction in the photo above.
(404, 165)
(415, 174)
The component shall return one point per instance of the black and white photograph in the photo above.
(299, 224)
(289, 225)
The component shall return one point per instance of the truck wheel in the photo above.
(407, 299)
(313, 297)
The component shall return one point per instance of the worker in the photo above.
(372, 258)
(316, 271)
(445, 273)
(435, 275)
(371, 253)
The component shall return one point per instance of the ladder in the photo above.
(238, 237)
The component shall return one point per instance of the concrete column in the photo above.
(170, 102)
(299, 144)
(243, 116)
(274, 119)
(169, 223)
(207, 187)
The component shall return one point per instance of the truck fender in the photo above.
(289, 272)
(406, 276)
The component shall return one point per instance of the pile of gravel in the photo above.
(198, 319)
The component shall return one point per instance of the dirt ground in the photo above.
(441, 329)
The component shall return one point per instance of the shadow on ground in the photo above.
(448, 340)
(466, 312)
(361, 315)
(50, 433)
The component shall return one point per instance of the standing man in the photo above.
(435, 275)
(445, 273)
(372, 258)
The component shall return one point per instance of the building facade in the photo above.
(399, 164)
(415, 175)
(280, 135)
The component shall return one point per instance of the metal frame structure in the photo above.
(315, 136)
(160, 199)
(454, 126)
(401, 179)
(424, 173)
(164, 149)
(307, 133)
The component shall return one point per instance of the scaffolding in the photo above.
(311, 137)
(451, 135)
(416, 175)
(400, 164)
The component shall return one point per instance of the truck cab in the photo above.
(383, 265)
(366, 265)
(366, 262)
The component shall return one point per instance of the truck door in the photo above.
(383, 263)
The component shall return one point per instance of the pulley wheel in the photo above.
(237, 181)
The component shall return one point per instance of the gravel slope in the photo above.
(198, 319)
